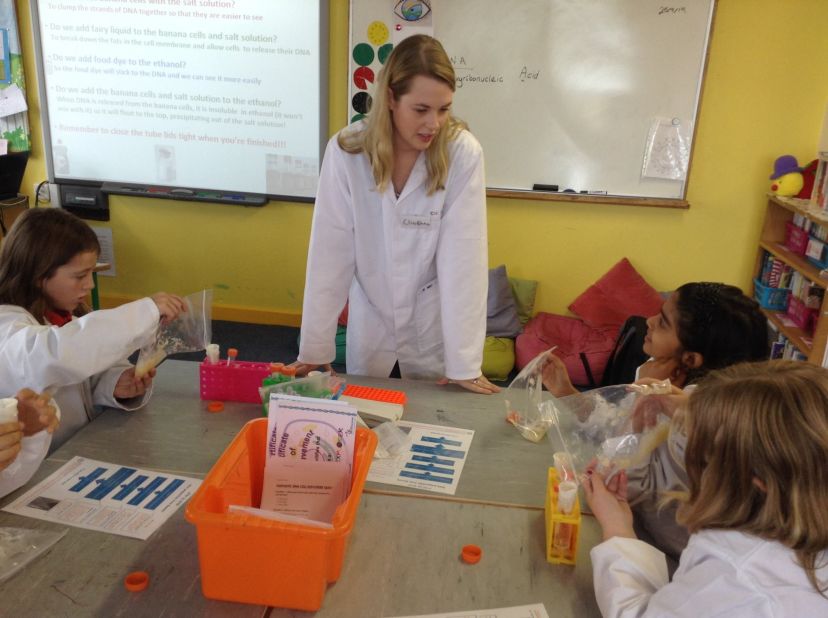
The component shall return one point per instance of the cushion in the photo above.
(501, 310)
(524, 291)
(498, 358)
(572, 337)
(619, 294)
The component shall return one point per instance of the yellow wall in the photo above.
(765, 95)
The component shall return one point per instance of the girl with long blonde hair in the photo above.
(399, 231)
(757, 440)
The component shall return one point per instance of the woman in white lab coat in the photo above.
(399, 230)
(757, 435)
(49, 342)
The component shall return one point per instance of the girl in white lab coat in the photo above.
(399, 230)
(51, 344)
(757, 435)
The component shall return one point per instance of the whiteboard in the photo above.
(596, 96)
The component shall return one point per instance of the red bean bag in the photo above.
(573, 338)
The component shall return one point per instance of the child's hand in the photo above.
(169, 306)
(647, 409)
(302, 369)
(608, 503)
(129, 386)
(36, 412)
(555, 376)
(11, 435)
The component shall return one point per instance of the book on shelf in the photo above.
(785, 348)
(819, 194)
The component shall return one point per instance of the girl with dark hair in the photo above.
(757, 434)
(701, 326)
(52, 344)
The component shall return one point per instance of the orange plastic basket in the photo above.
(248, 559)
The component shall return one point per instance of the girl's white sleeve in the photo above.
(331, 259)
(40, 356)
(33, 450)
(103, 390)
(626, 572)
(462, 261)
(631, 581)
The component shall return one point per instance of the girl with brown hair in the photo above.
(51, 343)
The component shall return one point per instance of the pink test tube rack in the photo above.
(237, 381)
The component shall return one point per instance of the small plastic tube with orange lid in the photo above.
(232, 353)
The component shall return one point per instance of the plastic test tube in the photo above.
(567, 492)
(213, 353)
(232, 353)
(563, 466)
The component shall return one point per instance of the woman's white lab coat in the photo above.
(415, 268)
(80, 363)
(722, 573)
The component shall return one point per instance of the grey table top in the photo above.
(402, 557)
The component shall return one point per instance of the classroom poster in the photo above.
(14, 127)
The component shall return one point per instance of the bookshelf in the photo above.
(780, 211)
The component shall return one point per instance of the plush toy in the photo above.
(787, 176)
(808, 177)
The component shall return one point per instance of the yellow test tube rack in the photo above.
(562, 529)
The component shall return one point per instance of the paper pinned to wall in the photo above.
(107, 255)
(12, 101)
(667, 153)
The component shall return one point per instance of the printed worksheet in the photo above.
(106, 497)
(433, 460)
(524, 611)
(309, 456)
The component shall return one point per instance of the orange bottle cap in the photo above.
(274, 367)
(136, 581)
(471, 554)
(288, 371)
(232, 352)
(215, 406)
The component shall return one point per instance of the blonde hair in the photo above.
(416, 55)
(755, 457)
